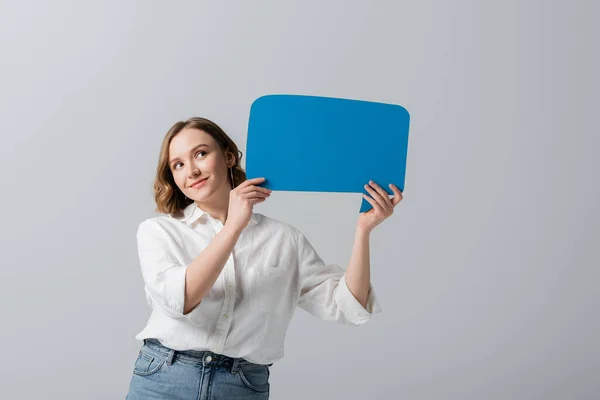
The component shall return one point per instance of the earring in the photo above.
(231, 171)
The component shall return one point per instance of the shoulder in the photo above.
(159, 225)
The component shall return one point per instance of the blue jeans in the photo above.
(163, 373)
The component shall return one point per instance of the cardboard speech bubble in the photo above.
(324, 144)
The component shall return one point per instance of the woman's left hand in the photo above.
(383, 206)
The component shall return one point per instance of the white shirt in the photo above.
(273, 269)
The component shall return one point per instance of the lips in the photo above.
(198, 182)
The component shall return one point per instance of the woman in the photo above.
(223, 282)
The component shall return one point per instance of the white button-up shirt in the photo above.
(273, 269)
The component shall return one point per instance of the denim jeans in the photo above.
(163, 373)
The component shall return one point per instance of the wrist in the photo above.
(362, 232)
(229, 228)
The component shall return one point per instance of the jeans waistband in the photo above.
(197, 356)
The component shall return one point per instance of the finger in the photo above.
(252, 188)
(252, 181)
(397, 194)
(377, 197)
(254, 201)
(256, 194)
(384, 195)
(375, 204)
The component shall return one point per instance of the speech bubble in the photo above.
(325, 144)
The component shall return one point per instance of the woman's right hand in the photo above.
(242, 200)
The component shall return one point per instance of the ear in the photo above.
(229, 159)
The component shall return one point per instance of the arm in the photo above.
(324, 291)
(203, 271)
(178, 288)
(347, 297)
(175, 287)
(358, 273)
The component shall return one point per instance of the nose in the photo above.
(194, 172)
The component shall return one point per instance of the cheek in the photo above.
(179, 180)
(209, 164)
(210, 167)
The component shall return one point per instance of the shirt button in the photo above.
(230, 284)
(226, 316)
(208, 359)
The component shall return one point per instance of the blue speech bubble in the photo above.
(324, 144)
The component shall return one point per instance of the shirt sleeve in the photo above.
(164, 276)
(323, 289)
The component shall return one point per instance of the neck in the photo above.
(218, 204)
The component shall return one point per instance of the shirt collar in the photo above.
(192, 212)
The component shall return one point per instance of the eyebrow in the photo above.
(191, 151)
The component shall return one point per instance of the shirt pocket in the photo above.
(269, 288)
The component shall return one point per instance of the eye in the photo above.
(196, 155)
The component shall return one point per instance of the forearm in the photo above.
(358, 273)
(204, 270)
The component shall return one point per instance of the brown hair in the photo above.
(169, 199)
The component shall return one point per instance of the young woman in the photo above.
(223, 282)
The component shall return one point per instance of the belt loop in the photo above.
(234, 368)
(170, 357)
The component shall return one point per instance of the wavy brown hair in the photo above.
(169, 199)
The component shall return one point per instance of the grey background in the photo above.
(487, 272)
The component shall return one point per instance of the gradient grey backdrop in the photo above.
(487, 273)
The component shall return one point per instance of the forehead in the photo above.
(185, 140)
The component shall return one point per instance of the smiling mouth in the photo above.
(198, 184)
